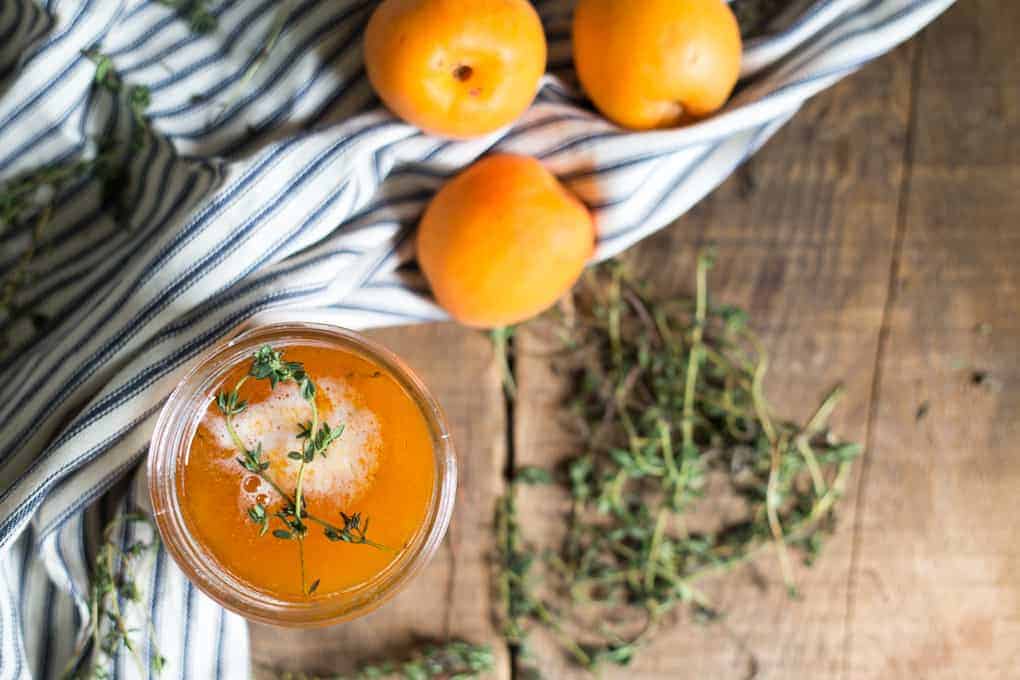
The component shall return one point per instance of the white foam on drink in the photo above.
(350, 463)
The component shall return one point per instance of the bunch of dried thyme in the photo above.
(669, 403)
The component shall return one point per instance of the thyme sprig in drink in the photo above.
(317, 436)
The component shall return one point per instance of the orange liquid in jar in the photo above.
(382, 466)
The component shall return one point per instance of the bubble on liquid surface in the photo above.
(350, 463)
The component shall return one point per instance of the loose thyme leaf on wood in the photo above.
(668, 399)
(317, 435)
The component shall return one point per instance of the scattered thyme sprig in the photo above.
(114, 580)
(317, 435)
(31, 198)
(137, 97)
(668, 394)
(261, 57)
(200, 18)
(455, 660)
(501, 338)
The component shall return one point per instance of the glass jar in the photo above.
(171, 441)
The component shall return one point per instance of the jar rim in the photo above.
(172, 438)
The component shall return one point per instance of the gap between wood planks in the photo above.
(511, 453)
(902, 204)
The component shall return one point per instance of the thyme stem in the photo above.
(298, 496)
(229, 420)
(814, 425)
(694, 357)
(301, 558)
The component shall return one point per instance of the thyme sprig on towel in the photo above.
(137, 97)
(197, 13)
(259, 59)
(114, 588)
(28, 199)
(317, 436)
(31, 199)
(668, 399)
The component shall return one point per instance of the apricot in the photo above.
(502, 241)
(656, 63)
(455, 68)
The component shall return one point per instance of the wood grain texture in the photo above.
(805, 238)
(449, 599)
(937, 580)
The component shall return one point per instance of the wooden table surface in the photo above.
(876, 240)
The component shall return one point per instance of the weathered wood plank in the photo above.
(804, 236)
(449, 599)
(937, 580)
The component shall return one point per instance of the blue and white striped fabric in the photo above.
(290, 193)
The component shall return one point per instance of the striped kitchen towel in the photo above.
(249, 183)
